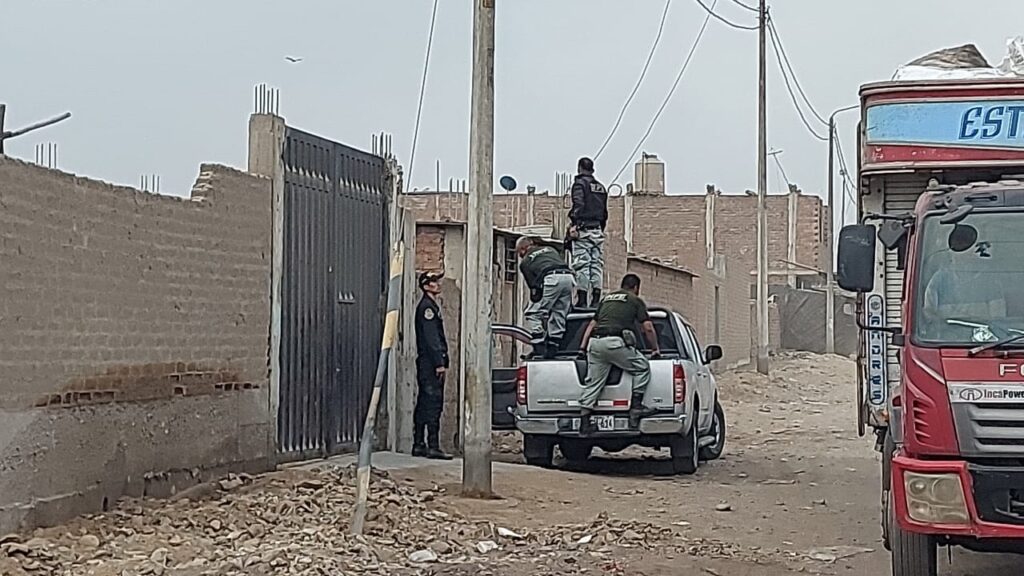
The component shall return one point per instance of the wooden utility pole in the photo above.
(476, 290)
(762, 195)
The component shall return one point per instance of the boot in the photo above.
(581, 299)
(637, 411)
(540, 350)
(595, 297)
(587, 426)
(419, 447)
(434, 451)
(551, 348)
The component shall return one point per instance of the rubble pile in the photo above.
(296, 522)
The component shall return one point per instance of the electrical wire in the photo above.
(780, 50)
(747, 6)
(842, 163)
(782, 170)
(711, 12)
(793, 96)
(636, 88)
(671, 92)
(423, 91)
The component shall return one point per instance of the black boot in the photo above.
(595, 297)
(551, 348)
(540, 350)
(587, 426)
(434, 451)
(637, 411)
(419, 447)
(581, 299)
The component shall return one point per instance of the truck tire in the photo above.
(888, 450)
(685, 455)
(912, 554)
(576, 450)
(538, 450)
(714, 451)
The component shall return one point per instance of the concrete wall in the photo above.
(133, 338)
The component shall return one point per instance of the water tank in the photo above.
(649, 175)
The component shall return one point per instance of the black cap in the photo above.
(428, 277)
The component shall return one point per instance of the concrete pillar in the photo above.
(794, 200)
(709, 226)
(266, 158)
(627, 225)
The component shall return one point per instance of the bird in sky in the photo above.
(292, 59)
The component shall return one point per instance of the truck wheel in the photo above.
(888, 450)
(685, 456)
(538, 450)
(912, 554)
(575, 450)
(714, 451)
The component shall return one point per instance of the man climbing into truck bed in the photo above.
(609, 341)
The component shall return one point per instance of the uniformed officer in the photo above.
(431, 368)
(610, 340)
(587, 220)
(550, 282)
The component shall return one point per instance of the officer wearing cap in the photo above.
(431, 369)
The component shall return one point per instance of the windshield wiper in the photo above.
(993, 345)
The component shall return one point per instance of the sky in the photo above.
(159, 86)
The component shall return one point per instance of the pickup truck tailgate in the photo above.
(556, 385)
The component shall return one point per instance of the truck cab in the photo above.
(938, 261)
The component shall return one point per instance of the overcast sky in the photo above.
(159, 86)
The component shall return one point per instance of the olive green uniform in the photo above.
(617, 313)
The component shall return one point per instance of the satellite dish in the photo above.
(508, 183)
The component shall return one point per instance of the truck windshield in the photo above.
(975, 295)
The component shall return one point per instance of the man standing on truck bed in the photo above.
(609, 341)
(587, 220)
(431, 369)
(550, 282)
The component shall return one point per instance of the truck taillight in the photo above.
(521, 386)
(678, 384)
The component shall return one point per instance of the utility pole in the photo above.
(830, 290)
(830, 286)
(762, 194)
(476, 290)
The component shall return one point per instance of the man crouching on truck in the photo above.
(610, 341)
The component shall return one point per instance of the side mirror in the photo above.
(713, 353)
(855, 270)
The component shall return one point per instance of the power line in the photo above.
(423, 91)
(711, 12)
(636, 88)
(745, 5)
(792, 94)
(842, 163)
(781, 51)
(671, 92)
(782, 170)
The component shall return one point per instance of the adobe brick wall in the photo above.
(663, 286)
(133, 338)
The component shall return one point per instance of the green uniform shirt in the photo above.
(619, 311)
(539, 263)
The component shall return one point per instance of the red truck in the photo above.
(937, 260)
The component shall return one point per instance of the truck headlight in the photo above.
(936, 498)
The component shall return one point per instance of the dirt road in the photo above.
(796, 494)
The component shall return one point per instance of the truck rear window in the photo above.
(666, 337)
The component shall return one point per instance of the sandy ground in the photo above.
(796, 493)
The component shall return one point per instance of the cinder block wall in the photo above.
(133, 338)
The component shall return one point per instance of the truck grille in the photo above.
(986, 430)
(998, 494)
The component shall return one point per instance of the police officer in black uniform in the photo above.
(431, 369)
(588, 218)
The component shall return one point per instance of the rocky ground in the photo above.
(796, 494)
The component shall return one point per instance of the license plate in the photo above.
(605, 423)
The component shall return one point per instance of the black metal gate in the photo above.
(335, 272)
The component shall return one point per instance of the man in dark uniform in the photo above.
(587, 220)
(431, 369)
(610, 340)
(550, 282)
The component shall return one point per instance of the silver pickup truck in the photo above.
(690, 421)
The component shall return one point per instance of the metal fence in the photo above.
(335, 273)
